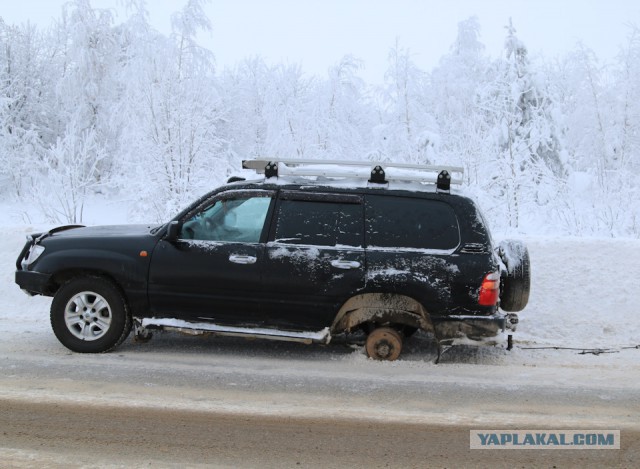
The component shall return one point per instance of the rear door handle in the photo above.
(241, 259)
(346, 265)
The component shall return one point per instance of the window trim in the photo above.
(330, 197)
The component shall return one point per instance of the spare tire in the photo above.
(515, 278)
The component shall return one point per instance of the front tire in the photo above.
(90, 315)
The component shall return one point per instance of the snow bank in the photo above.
(584, 293)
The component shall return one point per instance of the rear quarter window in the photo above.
(408, 222)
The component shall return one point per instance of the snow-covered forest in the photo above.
(94, 108)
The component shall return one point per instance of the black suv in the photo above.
(312, 250)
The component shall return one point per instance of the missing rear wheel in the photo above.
(384, 343)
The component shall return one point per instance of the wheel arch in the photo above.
(381, 308)
(64, 276)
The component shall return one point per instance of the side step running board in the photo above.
(198, 328)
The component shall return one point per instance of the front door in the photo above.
(212, 273)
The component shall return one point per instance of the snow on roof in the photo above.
(353, 183)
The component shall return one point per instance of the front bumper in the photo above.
(34, 283)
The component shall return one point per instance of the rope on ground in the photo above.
(583, 350)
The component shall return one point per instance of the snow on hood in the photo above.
(105, 231)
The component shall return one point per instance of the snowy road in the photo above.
(231, 375)
(237, 403)
(249, 396)
(80, 435)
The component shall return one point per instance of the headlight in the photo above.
(34, 253)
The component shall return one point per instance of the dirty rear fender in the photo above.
(382, 308)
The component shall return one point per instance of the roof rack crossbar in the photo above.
(356, 169)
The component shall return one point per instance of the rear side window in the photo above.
(406, 222)
(319, 223)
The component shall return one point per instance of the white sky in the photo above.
(318, 33)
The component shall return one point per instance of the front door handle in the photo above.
(241, 259)
(346, 265)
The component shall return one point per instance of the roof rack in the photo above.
(379, 173)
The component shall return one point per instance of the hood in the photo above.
(107, 231)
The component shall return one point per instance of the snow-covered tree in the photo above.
(90, 106)
(407, 130)
(243, 94)
(72, 170)
(456, 95)
(527, 162)
(289, 134)
(341, 121)
(24, 106)
(86, 90)
(173, 146)
(601, 138)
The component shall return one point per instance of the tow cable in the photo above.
(584, 351)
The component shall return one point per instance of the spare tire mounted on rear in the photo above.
(515, 278)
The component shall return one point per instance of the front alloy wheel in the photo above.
(90, 315)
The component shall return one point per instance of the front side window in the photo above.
(238, 220)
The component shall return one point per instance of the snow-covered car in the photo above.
(312, 250)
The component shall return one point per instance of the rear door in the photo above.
(410, 249)
(314, 258)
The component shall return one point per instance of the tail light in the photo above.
(490, 290)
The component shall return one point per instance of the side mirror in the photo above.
(173, 231)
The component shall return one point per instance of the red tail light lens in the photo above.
(490, 290)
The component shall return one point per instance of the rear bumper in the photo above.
(34, 283)
(450, 329)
